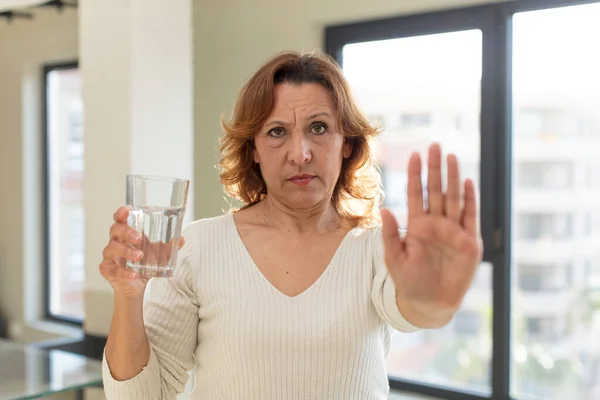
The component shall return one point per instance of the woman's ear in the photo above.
(347, 148)
(255, 155)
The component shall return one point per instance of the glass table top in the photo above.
(27, 372)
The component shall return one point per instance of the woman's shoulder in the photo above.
(363, 235)
(208, 226)
(367, 230)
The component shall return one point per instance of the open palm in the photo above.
(433, 264)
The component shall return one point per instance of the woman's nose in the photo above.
(299, 151)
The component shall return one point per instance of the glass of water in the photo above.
(156, 208)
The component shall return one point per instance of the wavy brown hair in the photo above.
(357, 193)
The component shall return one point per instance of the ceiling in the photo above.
(13, 4)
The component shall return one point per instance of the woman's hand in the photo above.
(124, 245)
(434, 264)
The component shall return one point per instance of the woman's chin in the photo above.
(304, 201)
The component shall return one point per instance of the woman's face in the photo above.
(299, 148)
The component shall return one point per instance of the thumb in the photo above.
(121, 214)
(391, 235)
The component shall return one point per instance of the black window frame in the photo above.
(495, 22)
(46, 70)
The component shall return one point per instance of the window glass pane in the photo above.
(65, 193)
(549, 175)
(556, 193)
(421, 90)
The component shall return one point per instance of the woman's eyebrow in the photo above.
(313, 116)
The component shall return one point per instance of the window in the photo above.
(587, 223)
(546, 175)
(377, 120)
(531, 122)
(531, 281)
(543, 278)
(64, 150)
(415, 120)
(451, 79)
(544, 121)
(468, 323)
(592, 272)
(550, 72)
(589, 125)
(513, 89)
(458, 122)
(591, 223)
(536, 226)
(544, 329)
(592, 176)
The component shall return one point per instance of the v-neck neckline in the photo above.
(267, 282)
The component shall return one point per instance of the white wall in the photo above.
(233, 37)
(12, 4)
(24, 46)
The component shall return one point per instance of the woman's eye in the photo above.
(319, 128)
(276, 132)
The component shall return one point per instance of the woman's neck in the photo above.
(321, 217)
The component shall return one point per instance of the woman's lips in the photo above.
(301, 180)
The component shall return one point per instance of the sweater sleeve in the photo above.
(383, 293)
(171, 321)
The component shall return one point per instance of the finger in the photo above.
(470, 214)
(121, 214)
(124, 233)
(452, 198)
(108, 269)
(116, 250)
(434, 180)
(415, 187)
(391, 236)
(181, 242)
(111, 271)
(122, 262)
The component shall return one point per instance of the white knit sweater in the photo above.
(246, 340)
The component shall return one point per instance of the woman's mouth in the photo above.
(301, 180)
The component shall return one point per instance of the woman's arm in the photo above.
(151, 345)
(127, 348)
(383, 292)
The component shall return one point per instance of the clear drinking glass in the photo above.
(156, 208)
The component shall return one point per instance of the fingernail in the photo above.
(135, 236)
(137, 254)
(132, 275)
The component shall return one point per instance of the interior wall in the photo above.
(25, 45)
(233, 37)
